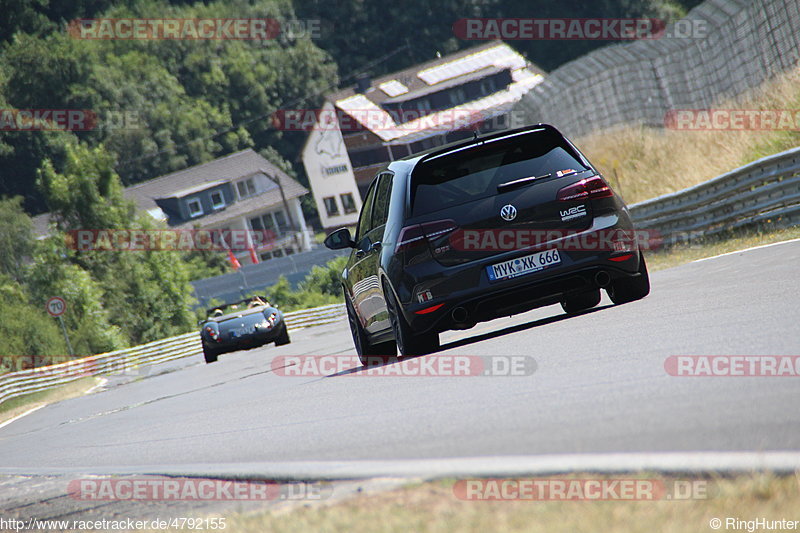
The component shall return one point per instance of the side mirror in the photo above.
(340, 239)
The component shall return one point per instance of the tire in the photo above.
(581, 302)
(369, 354)
(408, 342)
(283, 338)
(627, 290)
(210, 355)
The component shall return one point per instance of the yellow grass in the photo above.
(432, 507)
(685, 253)
(643, 162)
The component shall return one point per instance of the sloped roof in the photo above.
(410, 79)
(269, 198)
(442, 73)
(231, 167)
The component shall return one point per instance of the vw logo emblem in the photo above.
(508, 212)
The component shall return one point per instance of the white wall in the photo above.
(325, 149)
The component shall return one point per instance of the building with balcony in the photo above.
(361, 128)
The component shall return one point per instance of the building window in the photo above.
(348, 203)
(458, 96)
(488, 87)
(330, 206)
(246, 188)
(217, 200)
(280, 221)
(371, 156)
(256, 225)
(195, 207)
(274, 222)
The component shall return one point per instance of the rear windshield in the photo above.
(466, 175)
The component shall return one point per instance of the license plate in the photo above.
(238, 332)
(523, 265)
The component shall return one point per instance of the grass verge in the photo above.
(16, 406)
(711, 246)
(643, 162)
(433, 507)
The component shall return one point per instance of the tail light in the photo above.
(213, 333)
(271, 318)
(411, 236)
(590, 188)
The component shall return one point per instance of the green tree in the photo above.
(16, 238)
(87, 320)
(146, 293)
(26, 329)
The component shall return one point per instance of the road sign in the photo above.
(56, 306)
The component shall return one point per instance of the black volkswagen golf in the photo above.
(481, 229)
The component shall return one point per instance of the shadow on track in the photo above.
(472, 340)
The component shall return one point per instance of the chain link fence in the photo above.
(743, 43)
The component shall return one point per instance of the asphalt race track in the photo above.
(599, 386)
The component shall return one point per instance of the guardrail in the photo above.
(130, 360)
(766, 190)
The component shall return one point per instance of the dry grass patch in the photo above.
(685, 253)
(432, 507)
(643, 162)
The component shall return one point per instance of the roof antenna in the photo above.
(475, 135)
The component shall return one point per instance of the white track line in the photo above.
(26, 413)
(101, 382)
(746, 250)
(527, 465)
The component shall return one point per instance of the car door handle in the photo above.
(376, 246)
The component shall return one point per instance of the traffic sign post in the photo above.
(56, 307)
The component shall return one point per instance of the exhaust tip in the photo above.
(602, 278)
(459, 315)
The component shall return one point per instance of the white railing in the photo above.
(131, 360)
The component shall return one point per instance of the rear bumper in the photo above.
(468, 288)
(469, 307)
(250, 340)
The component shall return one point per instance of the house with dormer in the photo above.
(240, 191)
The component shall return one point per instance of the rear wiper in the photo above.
(507, 186)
